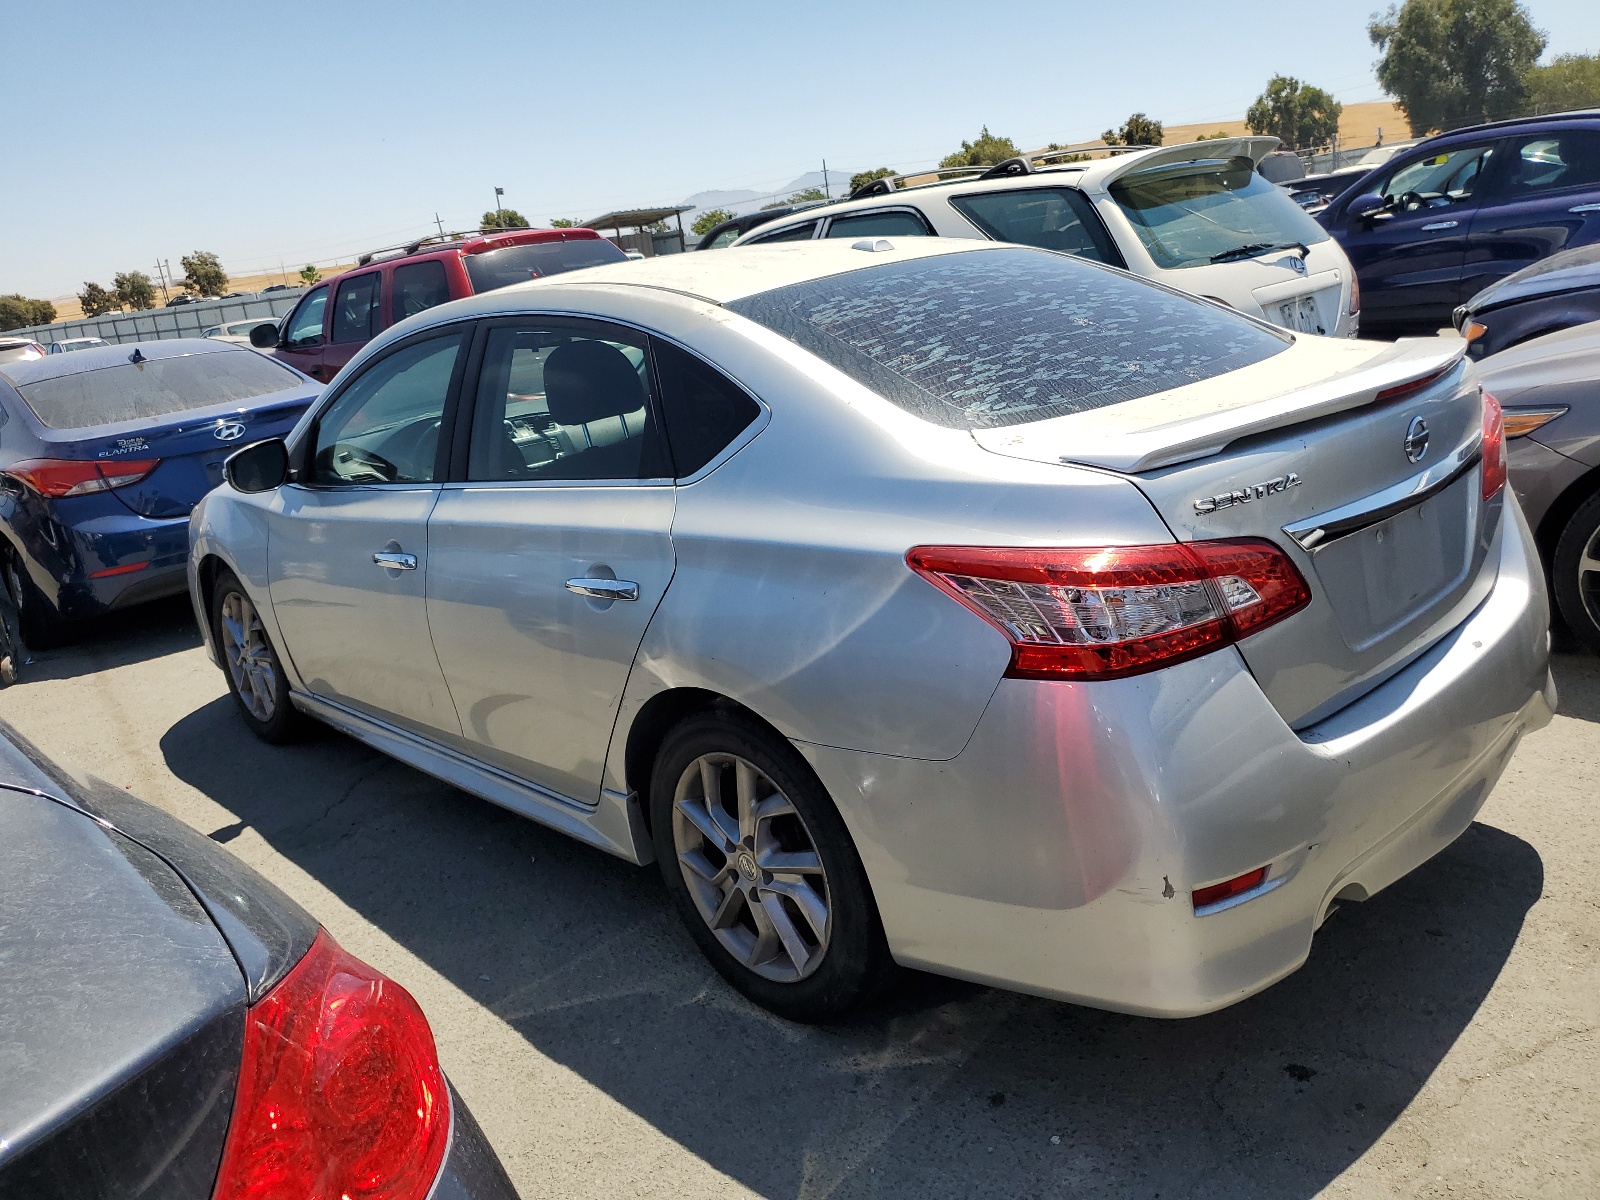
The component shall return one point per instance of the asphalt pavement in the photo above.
(1441, 1041)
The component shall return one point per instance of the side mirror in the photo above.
(264, 336)
(258, 468)
(1366, 205)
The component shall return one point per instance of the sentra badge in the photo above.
(1247, 495)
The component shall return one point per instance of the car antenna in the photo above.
(136, 356)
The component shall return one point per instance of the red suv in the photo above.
(319, 337)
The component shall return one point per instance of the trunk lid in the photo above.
(1313, 449)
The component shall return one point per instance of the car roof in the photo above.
(56, 365)
(1552, 120)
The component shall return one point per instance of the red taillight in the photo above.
(1494, 447)
(1108, 612)
(1411, 386)
(340, 1093)
(1228, 889)
(60, 477)
(1355, 294)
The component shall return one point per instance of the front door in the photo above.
(302, 343)
(1409, 256)
(348, 546)
(548, 561)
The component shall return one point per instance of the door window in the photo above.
(702, 409)
(1550, 162)
(795, 233)
(418, 287)
(305, 327)
(384, 427)
(1437, 181)
(726, 238)
(1050, 218)
(879, 224)
(566, 400)
(355, 312)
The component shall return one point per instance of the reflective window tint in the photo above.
(355, 311)
(702, 409)
(879, 224)
(535, 260)
(1550, 162)
(1050, 218)
(568, 400)
(997, 337)
(305, 327)
(384, 427)
(417, 287)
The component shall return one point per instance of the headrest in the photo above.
(585, 381)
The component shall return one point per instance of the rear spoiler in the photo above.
(1253, 148)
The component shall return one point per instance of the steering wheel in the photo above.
(344, 454)
(1411, 201)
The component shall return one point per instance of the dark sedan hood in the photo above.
(1568, 271)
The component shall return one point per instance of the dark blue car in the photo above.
(1555, 293)
(104, 452)
(1455, 213)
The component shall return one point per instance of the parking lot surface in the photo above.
(1440, 1042)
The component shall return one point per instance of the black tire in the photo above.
(855, 964)
(1577, 591)
(270, 715)
(40, 623)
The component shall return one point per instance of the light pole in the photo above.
(499, 221)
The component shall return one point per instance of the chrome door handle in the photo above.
(1583, 208)
(395, 562)
(1438, 225)
(604, 589)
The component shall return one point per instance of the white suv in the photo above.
(1196, 217)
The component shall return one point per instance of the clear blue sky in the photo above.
(310, 131)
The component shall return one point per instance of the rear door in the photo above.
(1543, 196)
(348, 542)
(548, 560)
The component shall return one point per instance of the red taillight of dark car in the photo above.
(340, 1091)
(1086, 613)
(62, 477)
(1494, 447)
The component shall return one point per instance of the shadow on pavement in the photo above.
(949, 1088)
(1578, 680)
(136, 635)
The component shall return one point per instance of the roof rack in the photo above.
(1022, 164)
(432, 240)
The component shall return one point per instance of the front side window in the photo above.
(384, 427)
(1193, 213)
(989, 338)
(726, 238)
(535, 260)
(1551, 162)
(702, 409)
(418, 287)
(1437, 181)
(879, 224)
(795, 233)
(305, 327)
(564, 400)
(355, 312)
(1051, 218)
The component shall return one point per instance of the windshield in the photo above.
(1000, 337)
(1194, 213)
(154, 388)
(534, 260)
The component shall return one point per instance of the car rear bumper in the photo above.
(66, 566)
(1057, 853)
(470, 1170)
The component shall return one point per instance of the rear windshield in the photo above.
(157, 388)
(1192, 214)
(1002, 337)
(518, 264)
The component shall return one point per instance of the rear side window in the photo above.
(418, 287)
(702, 409)
(534, 260)
(355, 311)
(990, 338)
(155, 388)
(879, 224)
(1552, 161)
(795, 233)
(1050, 218)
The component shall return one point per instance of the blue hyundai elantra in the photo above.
(104, 452)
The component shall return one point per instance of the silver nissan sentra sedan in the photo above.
(964, 606)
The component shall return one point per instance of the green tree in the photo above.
(309, 275)
(505, 218)
(862, 178)
(563, 223)
(985, 151)
(1211, 137)
(97, 301)
(135, 291)
(18, 312)
(1300, 116)
(1137, 130)
(203, 274)
(1570, 81)
(1449, 63)
(803, 196)
(709, 220)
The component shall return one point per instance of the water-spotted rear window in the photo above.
(155, 388)
(1002, 337)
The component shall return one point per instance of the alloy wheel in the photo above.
(751, 867)
(1589, 577)
(251, 662)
